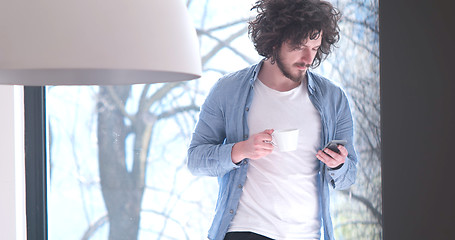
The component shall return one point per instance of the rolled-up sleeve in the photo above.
(208, 154)
(345, 176)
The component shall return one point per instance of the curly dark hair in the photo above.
(294, 20)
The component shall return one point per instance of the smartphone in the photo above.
(332, 145)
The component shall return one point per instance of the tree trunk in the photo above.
(121, 191)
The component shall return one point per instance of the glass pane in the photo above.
(112, 157)
(121, 151)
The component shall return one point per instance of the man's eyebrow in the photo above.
(304, 45)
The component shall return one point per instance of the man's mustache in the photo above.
(303, 65)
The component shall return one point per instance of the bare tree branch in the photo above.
(364, 24)
(226, 44)
(363, 46)
(355, 223)
(94, 227)
(227, 25)
(366, 202)
(168, 217)
(143, 98)
(222, 44)
(76, 159)
(120, 105)
(177, 110)
(160, 94)
(222, 72)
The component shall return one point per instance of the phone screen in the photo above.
(333, 145)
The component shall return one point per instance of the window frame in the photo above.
(35, 162)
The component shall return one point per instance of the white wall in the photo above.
(12, 170)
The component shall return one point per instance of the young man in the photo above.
(265, 193)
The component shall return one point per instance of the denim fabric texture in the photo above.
(223, 122)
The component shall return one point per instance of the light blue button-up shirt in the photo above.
(223, 122)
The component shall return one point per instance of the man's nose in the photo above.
(307, 56)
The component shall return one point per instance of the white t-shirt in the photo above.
(280, 198)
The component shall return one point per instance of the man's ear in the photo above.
(274, 54)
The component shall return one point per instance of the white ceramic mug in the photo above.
(285, 140)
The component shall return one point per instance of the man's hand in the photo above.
(333, 159)
(255, 147)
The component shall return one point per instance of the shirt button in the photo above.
(240, 185)
(247, 109)
(231, 211)
(245, 136)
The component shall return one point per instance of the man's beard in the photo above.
(296, 78)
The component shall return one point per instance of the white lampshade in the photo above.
(102, 42)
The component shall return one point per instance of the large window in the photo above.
(117, 154)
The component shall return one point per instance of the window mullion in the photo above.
(35, 162)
